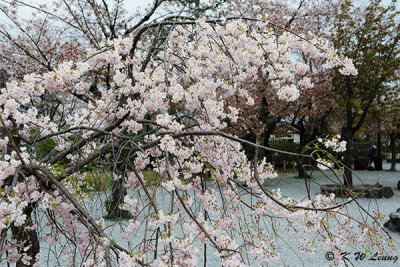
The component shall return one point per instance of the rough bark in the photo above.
(118, 193)
(22, 234)
(27, 238)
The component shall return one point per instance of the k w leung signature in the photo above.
(362, 256)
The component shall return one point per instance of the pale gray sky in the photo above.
(130, 5)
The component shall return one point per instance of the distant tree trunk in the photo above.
(348, 136)
(248, 149)
(267, 136)
(393, 150)
(270, 124)
(378, 159)
(301, 171)
(348, 157)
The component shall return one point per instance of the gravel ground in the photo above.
(295, 188)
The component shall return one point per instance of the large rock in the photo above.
(394, 221)
(374, 193)
(338, 190)
(387, 191)
(368, 191)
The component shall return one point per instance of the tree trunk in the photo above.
(27, 238)
(248, 149)
(267, 135)
(378, 159)
(24, 235)
(3, 78)
(301, 172)
(348, 136)
(393, 150)
(348, 156)
(118, 193)
(270, 124)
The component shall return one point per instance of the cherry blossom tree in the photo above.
(310, 112)
(103, 20)
(52, 35)
(172, 116)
